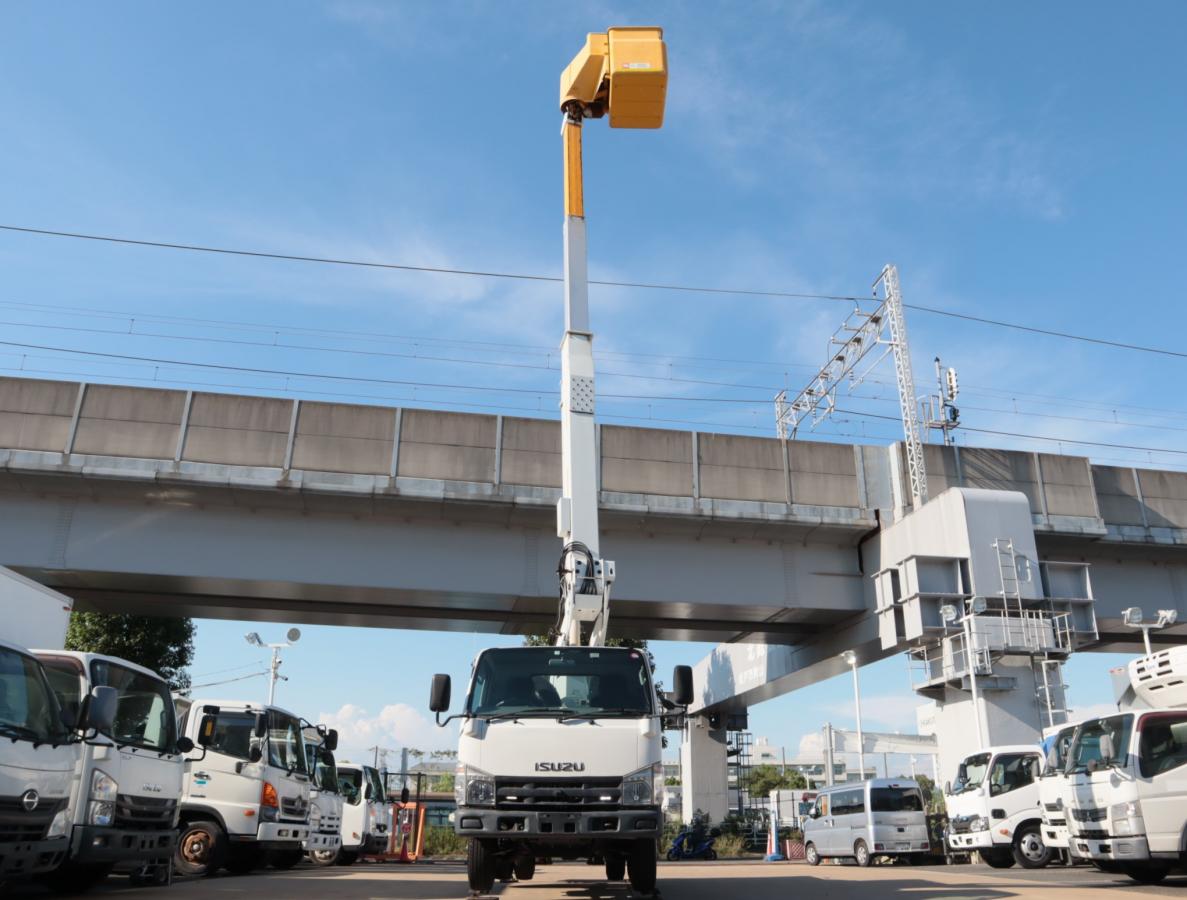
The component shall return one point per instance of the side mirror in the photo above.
(682, 685)
(331, 742)
(1053, 758)
(255, 754)
(184, 744)
(261, 727)
(101, 708)
(367, 791)
(948, 788)
(206, 731)
(439, 694)
(404, 794)
(1107, 749)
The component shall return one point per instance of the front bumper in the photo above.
(32, 857)
(105, 844)
(1110, 848)
(278, 835)
(965, 841)
(1055, 834)
(323, 840)
(560, 825)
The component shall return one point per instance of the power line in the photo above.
(228, 680)
(639, 285)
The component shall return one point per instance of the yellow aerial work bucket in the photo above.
(638, 76)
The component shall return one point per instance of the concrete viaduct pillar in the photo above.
(703, 771)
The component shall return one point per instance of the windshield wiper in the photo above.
(22, 732)
(600, 713)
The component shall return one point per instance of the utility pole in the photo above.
(253, 638)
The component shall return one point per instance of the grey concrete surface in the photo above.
(677, 881)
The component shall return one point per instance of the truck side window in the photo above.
(1163, 744)
(1011, 771)
(233, 734)
(65, 679)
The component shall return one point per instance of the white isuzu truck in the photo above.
(245, 792)
(42, 746)
(993, 807)
(559, 753)
(128, 778)
(325, 797)
(1127, 774)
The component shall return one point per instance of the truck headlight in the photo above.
(60, 825)
(474, 787)
(1127, 818)
(100, 812)
(978, 823)
(103, 786)
(639, 788)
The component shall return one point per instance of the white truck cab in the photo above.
(37, 768)
(128, 777)
(560, 756)
(366, 813)
(325, 798)
(1127, 774)
(245, 792)
(993, 807)
(1055, 789)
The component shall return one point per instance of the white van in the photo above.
(861, 820)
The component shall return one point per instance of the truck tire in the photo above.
(201, 847)
(640, 866)
(242, 860)
(525, 868)
(323, 857)
(1029, 851)
(480, 866)
(347, 857)
(504, 868)
(811, 854)
(1149, 873)
(71, 878)
(861, 854)
(997, 859)
(285, 859)
(615, 868)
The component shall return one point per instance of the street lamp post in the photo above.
(1133, 618)
(850, 657)
(950, 614)
(253, 638)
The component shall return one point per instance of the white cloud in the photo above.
(395, 726)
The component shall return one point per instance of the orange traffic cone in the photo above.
(404, 857)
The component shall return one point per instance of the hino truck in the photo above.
(325, 797)
(245, 793)
(1128, 773)
(993, 807)
(366, 813)
(559, 751)
(128, 778)
(40, 748)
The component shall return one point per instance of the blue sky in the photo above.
(1020, 162)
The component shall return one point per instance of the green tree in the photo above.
(933, 798)
(163, 644)
(547, 639)
(761, 780)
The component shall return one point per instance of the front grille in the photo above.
(1088, 815)
(17, 824)
(144, 813)
(1056, 820)
(557, 793)
(294, 808)
(960, 824)
(1094, 834)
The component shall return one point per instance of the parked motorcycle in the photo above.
(694, 843)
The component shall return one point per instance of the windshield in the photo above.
(892, 799)
(1061, 744)
(28, 709)
(375, 783)
(350, 785)
(286, 748)
(325, 773)
(552, 680)
(144, 716)
(1085, 753)
(971, 773)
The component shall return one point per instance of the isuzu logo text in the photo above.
(560, 767)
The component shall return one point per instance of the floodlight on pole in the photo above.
(1132, 616)
(253, 638)
(851, 659)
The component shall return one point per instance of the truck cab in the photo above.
(366, 814)
(1054, 789)
(325, 799)
(993, 807)
(559, 756)
(128, 778)
(245, 792)
(36, 769)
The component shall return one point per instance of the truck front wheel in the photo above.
(1029, 851)
(615, 868)
(997, 859)
(480, 866)
(640, 866)
(200, 848)
(525, 868)
(285, 859)
(1145, 874)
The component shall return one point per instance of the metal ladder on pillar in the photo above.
(1052, 706)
